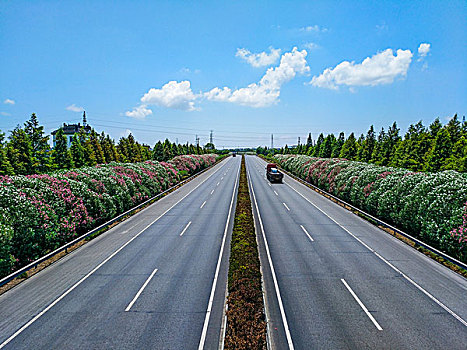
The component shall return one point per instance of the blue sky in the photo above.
(179, 68)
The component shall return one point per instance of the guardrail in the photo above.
(65, 247)
(378, 221)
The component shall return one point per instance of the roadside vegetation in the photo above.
(246, 325)
(26, 150)
(429, 206)
(39, 213)
(434, 148)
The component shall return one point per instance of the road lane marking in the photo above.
(285, 205)
(186, 227)
(140, 291)
(222, 178)
(218, 184)
(202, 205)
(269, 183)
(216, 274)
(306, 232)
(362, 306)
(420, 288)
(212, 191)
(276, 193)
(273, 273)
(68, 291)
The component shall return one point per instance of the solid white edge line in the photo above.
(186, 227)
(362, 305)
(216, 274)
(448, 310)
(273, 273)
(140, 291)
(35, 318)
(202, 205)
(285, 205)
(306, 232)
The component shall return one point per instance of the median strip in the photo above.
(246, 325)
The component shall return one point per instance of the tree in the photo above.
(368, 145)
(440, 151)
(317, 146)
(5, 165)
(336, 149)
(411, 152)
(62, 155)
(19, 152)
(349, 148)
(77, 152)
(40, 145)
(96, 147)
(309, 143)
(325, 150)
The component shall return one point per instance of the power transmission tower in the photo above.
(197, 140)
(298, 143)
(210, 137)
(272, 141)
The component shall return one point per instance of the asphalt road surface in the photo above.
(334, 281)
(156, 281)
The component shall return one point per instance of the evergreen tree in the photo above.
(368, 145)
(309, 143)
(360, 144)
(158, 153)
(5, 165)
(40, 145)
(96, 147)
(349, 148)
(327, 146)
(77, 152)
(336, 149)
(19, 152)
(440, 152)
(62, 155)
(317, 147)
(378, 152)
(411, 152)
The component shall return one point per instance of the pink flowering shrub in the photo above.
(39, 213)
(430, 206)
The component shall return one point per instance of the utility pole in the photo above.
(210, 137)
(176, 140)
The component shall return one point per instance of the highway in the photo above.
(334, 281)
(158, 280)
(155, 281)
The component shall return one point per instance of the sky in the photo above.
(243, 69)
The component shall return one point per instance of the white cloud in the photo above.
(261, 59)
(74, 108)
(139, 112)
(267, 91)
(423, 49)
(379, 69)
(316, 28)
(310, 46)
(177, 95)
(5, 114)
(9, 102)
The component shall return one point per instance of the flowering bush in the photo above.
(430, 206)
(38, 213)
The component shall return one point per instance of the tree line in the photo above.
(434, 148)
(27, 150)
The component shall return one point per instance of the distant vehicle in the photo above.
(234, 154)
(272, 174)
